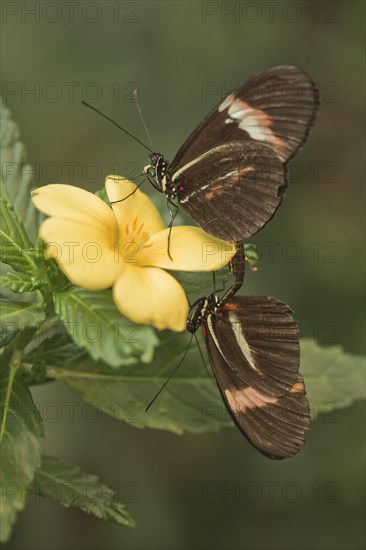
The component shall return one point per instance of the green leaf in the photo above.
(51, 345)
(102, 194)
(17, 175)
(16, 316)
(332, 376)
(39, 371)
(7, 334)
(15, 247)
(73, 488)
(94, 323)
(21, 434)
(21, 282)
(251, 255)
(59, 353)
(191, 401)
(49, 269)
(202, 283)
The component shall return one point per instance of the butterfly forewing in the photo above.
(257, 371)
(262, 330)
(276, 107)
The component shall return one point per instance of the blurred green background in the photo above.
(184, 57)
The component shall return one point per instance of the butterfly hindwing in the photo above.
(261, 330)
(234, 189)
(258, 372)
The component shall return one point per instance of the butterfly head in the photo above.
(200, 310)
(154, 159)
(156, 172)
(196, 314)
(150, 169)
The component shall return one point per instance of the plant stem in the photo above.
(13, 367)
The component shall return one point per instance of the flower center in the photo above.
(135, 232)
(132, 241)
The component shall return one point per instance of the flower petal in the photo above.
(85, 254)
(136, 212)
(191, 248)
(151, 296)
(73, 203)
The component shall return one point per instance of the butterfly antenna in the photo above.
(202, 357)
(115, 124)
(170, 375)
(130, 194)
(135, 94)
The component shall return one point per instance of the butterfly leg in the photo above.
(171, 204)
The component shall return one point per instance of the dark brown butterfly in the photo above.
(253, 346)
(230, 175)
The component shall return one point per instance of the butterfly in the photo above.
(253, 346)
(230, 175)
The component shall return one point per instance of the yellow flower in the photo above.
(125, 247)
